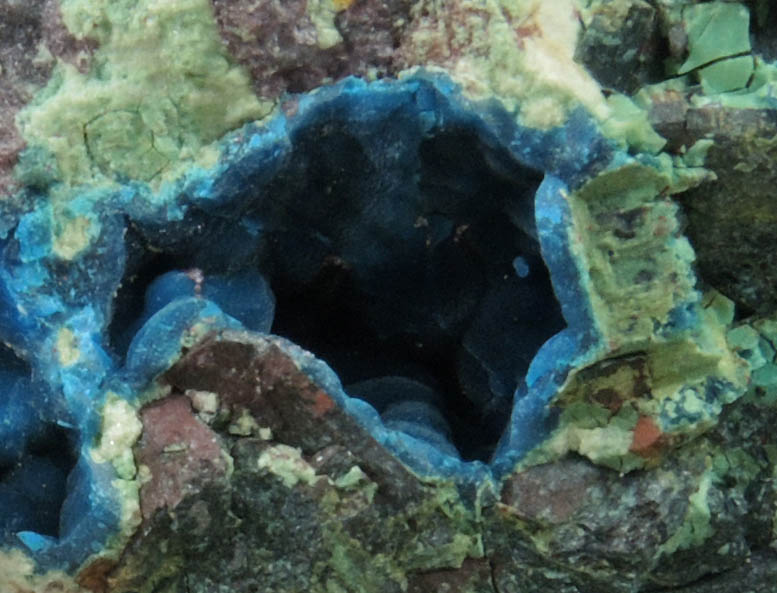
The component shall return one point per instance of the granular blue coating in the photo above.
(390, 171)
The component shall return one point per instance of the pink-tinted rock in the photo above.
(281, 48)
(550, 493)
(263, 380)
(179, 450)
(474, 576)
(318, 489)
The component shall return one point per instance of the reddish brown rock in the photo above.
(319, 491)
(549, 493)
(180, 452)
(282, 49)
(436, 35)
(474, 576)
(262, 379)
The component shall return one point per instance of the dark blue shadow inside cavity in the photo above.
(389, 231)
(394, 223)
(36, 454)
(391, 253)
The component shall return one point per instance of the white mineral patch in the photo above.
(73, 237)
(322, 14)
(67, 347)
(206, 403)
(121, 428)
(600, 443)
(17, 573)
(244, 425)
(287, 463)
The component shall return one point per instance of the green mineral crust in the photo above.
(160, 90)
(239, 465)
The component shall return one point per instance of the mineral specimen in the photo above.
(333, 296)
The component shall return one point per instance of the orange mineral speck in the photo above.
(322, 403)
(646, 434)
(342, 4)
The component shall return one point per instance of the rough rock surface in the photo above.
(731, 221)
(622, 45)
(288, 49)
(385, 296)
(32, 38)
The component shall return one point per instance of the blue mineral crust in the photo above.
(414, 242)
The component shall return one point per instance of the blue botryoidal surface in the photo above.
(415, 243)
